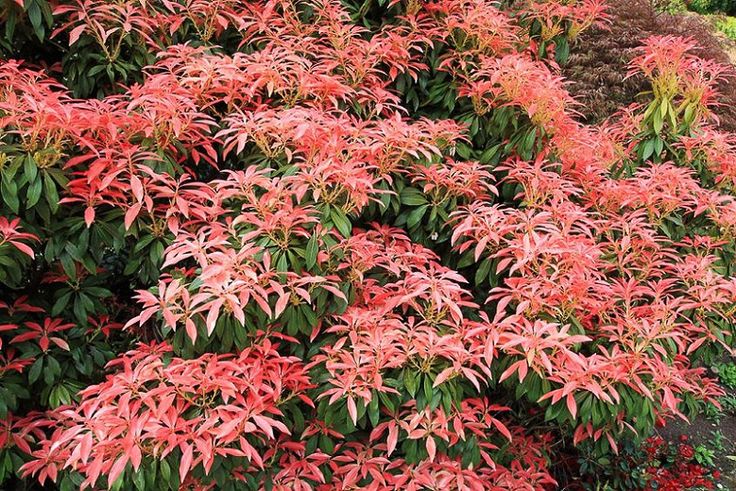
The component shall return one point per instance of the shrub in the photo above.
(726, 373)
(712, 6)
(660, 464)
(727, 25)
(314, 245)
(597, 66)
(671, 6)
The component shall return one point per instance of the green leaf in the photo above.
(9, 191)
(97, 291)
(373, 412)
(30, 169)
(67, 263)
(52, 195)
(416, 215)
(341, 222)
(61, 303)
(35, 370)
(36, 17)
(482, 272)
(34, 192)
(462, 149)
(658, 123)
(326, 444)
(562, 51)
(156, 252)
(310, 254)
(143, 243)
(165, 471)
(411, 382)
(80, 312)
(139, 479)
(658, 146)
(52, 370)
(428, 389)
(647, 149)
(412, 197)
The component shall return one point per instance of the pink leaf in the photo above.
(186, 462)
(353, 410)
(24, 248)
(393, 438)
(89, 216)
(75, 33)
(431, 448)
(117, 468)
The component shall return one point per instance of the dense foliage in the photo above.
(597, 67)
(322, 245)
(712, 6)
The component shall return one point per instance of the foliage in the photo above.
(315, 245)
(678, 465)
(727, 25)
(712, 6)
(725, 404)
(671, 6)
(726, 373)
(597, 67)
(662, 465)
